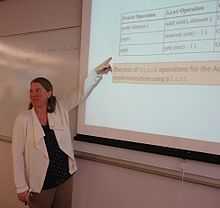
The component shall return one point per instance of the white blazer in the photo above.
(30, 157)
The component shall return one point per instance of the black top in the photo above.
(58, 169)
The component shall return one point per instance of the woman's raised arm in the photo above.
(91, 82)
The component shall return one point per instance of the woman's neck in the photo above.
(42, 115)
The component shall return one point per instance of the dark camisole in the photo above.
(58, 169)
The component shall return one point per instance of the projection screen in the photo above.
(164, 89)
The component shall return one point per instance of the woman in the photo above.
(42, 150)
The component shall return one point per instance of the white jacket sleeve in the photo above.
(18, 147)
(77, 98)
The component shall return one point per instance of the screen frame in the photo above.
(148, 148)
(162, 148)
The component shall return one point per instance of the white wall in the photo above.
(115, 177)
(103, 185)
(25, 18)
(99, 185)
(37, 38)
(7, 191)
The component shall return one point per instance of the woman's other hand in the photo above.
(23, 196)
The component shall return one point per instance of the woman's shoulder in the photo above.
(24, 115)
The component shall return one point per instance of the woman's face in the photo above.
(38, 95)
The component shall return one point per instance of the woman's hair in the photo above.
(46, 84)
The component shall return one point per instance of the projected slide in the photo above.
(190, 29)
(165, 84)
